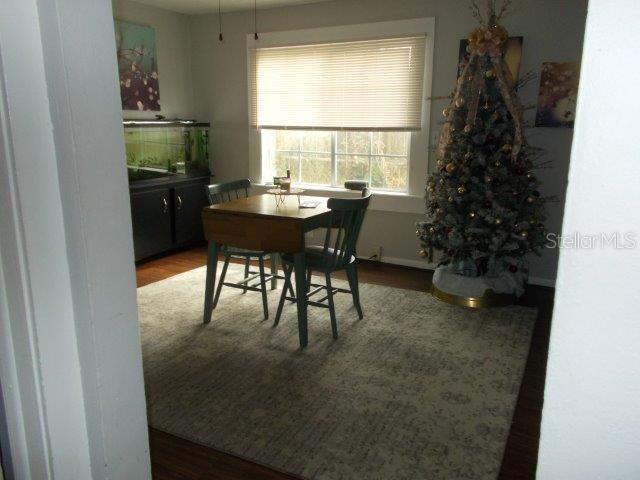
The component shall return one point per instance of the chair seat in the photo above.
(315, 258)
(242, 252)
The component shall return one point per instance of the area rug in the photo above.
(418, 389)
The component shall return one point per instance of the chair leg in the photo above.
(287, 269)
(263, 288)
(332, 308)
(352, 275)
(221, 281)
(308, 280)
(247, 262)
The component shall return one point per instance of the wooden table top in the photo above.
(265, 206)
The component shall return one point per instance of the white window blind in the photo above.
(371, 85)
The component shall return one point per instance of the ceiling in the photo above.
(194, 7)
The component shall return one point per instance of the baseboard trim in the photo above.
(423, 265)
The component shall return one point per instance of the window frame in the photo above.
(334, 154)
(419, 141)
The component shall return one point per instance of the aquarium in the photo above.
(156, 149)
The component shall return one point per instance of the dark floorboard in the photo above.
(176, 458)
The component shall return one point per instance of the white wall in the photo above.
(70, 355)
(173, 47)
(591, 416)
(552, 31)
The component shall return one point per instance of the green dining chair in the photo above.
(345, 219)
(225, 192)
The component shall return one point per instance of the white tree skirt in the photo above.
(447, 280)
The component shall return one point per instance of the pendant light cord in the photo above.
(255, 19)
(220, 37)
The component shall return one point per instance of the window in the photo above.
(341, 103)
(329, 158)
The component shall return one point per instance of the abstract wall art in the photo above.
(137, 66)
(558, 94)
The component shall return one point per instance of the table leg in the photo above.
(300, 265)
(212, 266)
(274, 257)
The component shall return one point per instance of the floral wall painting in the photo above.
(512, 56)
(558, 94)
(137, 66)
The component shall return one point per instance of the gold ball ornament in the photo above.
(507, 147)
(439, 211)
(423, 254)
(418, 233)
(531, 199)
(498, 221)
(430, 189)
(488, 179)
(432, 230)
(440, 163)
(446, 112)
(524, 234)
(468, 128)
(490, 73)
(450, 199)
(472, 214)
(468, 155)
(451, 167)
(462, 190)
(460, 102)
(498, 164)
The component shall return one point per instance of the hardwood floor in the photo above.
(176, 458)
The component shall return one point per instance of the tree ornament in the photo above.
(434, 205)
(531, 199)
(498, 221)
(472, 214)
(430, 189)
(418, 233)
(440, 163)
(462, 190)
(432, 230)
(507, 147)
(446, 112)
(468, 155)
(468, 128)
(498, 164)
(423, 254)
(513, 268)
(439, 211)
(450, 199)
(490, 73)
(488, 179)
(451, 252)
(524, 234)
(451, 167)
(460, 102)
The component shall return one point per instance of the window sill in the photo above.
(380, 201)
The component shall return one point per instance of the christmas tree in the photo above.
(484, 210)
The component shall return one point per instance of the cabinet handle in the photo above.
(165, 205)
(179, 203)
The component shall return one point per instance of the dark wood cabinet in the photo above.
(166, 214)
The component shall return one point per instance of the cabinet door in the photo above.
(189, 201)
(151, 218)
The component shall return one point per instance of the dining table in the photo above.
(268, 224)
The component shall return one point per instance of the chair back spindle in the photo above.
(346, 217)
(227, 191)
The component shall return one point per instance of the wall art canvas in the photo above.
(137, 66)
(512, 56)
(558, 94)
